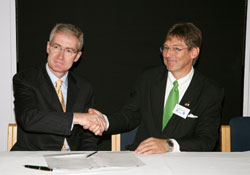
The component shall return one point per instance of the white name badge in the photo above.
(181, 111)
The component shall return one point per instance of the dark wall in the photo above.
(123, 37)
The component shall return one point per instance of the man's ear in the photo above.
(195, 52)
(48, 46)
(78, 56)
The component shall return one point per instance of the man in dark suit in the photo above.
(45, 120)
(176, 108)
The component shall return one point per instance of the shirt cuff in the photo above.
(107, 122)
(176, 145)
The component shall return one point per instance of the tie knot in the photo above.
(175, 84)
(59, 84)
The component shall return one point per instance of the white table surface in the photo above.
(184, 163)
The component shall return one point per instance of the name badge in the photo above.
(181, 111)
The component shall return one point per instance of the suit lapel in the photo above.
(192, 93)
(157, 98)
(47, 90)
(72, 92)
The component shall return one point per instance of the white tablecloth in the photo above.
(184, 163)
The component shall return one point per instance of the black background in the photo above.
(123, 37)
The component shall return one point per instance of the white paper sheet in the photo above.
(78, 162)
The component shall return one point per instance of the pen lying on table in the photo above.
(44, 168)
(91, 154)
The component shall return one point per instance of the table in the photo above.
(195, 163)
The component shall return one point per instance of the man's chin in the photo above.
(60, 71)
(170, 67)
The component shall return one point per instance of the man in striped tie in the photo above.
(51, 102)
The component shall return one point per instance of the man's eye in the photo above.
(69, 51)
(177, 49)
(56, 47)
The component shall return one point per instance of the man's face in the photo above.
(177, 57)
(62, 53)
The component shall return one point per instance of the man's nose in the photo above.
(61, 53)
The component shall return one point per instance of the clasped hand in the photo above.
(93, 121)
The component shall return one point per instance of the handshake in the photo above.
(93, 121)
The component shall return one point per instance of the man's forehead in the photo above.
(174, 40)
(64, 34)
(65, 39)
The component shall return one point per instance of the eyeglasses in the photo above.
(174, 49)
(67, 51)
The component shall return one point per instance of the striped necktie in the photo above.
(60, 96)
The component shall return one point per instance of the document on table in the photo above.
(79, 161)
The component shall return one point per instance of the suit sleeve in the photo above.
(129, 117)
(31, 116)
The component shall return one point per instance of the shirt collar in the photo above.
(182, 80)
(54, 79)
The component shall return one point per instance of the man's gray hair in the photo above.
(68, 29)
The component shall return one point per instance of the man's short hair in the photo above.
(68, 29)
(188, 32)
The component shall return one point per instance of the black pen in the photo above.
(91, 154)
(43, 168)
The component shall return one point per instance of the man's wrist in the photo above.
(170, 145)
(77, 118)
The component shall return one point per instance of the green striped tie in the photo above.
(173, 99)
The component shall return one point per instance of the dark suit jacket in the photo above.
(202, 97)
(42, 124)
